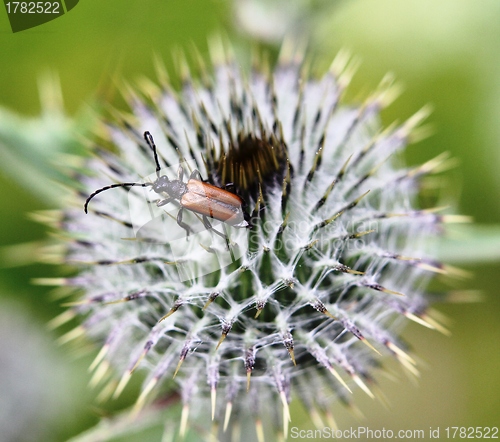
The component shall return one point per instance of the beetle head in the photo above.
(162, 184)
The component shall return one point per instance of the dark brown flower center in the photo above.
(249, 163)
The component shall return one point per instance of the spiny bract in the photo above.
(301, 304)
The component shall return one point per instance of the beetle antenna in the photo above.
(151, 143)
(112, 186)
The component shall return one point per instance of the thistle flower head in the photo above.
(305, 300)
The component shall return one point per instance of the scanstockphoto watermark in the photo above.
(366, 433)
(362, 433)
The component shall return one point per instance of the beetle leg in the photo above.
(182, 224)
(164, 202)
(209, 226)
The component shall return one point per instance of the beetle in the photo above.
(195, 195)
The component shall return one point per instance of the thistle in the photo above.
(304, 302)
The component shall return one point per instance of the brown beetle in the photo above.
(195, 195)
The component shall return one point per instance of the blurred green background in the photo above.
(446, 53)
